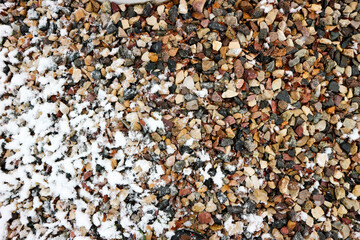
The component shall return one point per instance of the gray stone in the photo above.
(294, 61)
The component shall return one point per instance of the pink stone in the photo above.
(204, 218)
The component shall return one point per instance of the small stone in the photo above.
(184, 192)
(334, 87)
(204, 218)
(156, 47)
(340, 193)
(346, 147)
(250, 145)
(283, 185)
(87, 175)
(106, 7)
(294, 62)
(246, 6)
(261, 195)
(130, 93)
(76, 75)
(198, 5)
(229, 94)
(151, 20)
(183, 9)
(270, 67)
(210, 206)
(217, 45)
(207, 65)
(238, 68)
(317, 212)
(111, 28)
(79, 14)
(96, 74)
(284, 96)
(217, 26)
(189, 83)
(198, 207)
(270, 17)
(276, 84)
(192, 105)
(356, 191)
(173, 14)
(278, 73)
(179, 166)
(321, 159)
(301, 53)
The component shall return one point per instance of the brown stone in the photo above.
(204, 218)
(238, 68)
(79, 14)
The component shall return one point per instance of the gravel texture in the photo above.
(189, 119)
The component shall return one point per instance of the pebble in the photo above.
(276, 84)
(192, 105)
(198, 207)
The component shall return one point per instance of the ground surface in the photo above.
(189, 120)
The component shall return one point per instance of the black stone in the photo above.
(178, 166)
(163, 191)
(217, 26)
(172, 88)
(181, 234)
(147, 12)
(189, 28)
(164, 204)
(250, 206)
(24, 29)
(96, 74)
(173, 14)
(284, 96)
(234, 209)
(130, 93)
(193, 40)
(280, 163)
(72, 56)
(150, 66)
(111, 28)
(355, 71)
(212, 172)
(333, 87)
(239, 145)
(345, 146)
(156, 47)
(279, 224)
(222, 198)
(79, 63)
(183, 53)
(334, 35)
(227, 142)
(130, 11)
(171, 65)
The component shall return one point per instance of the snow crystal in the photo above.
(218, 178)
(354, 135)
(154, 124)
(255, 222)
(46, 64)
(5, 31)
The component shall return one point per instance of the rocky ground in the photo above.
(198, 119)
